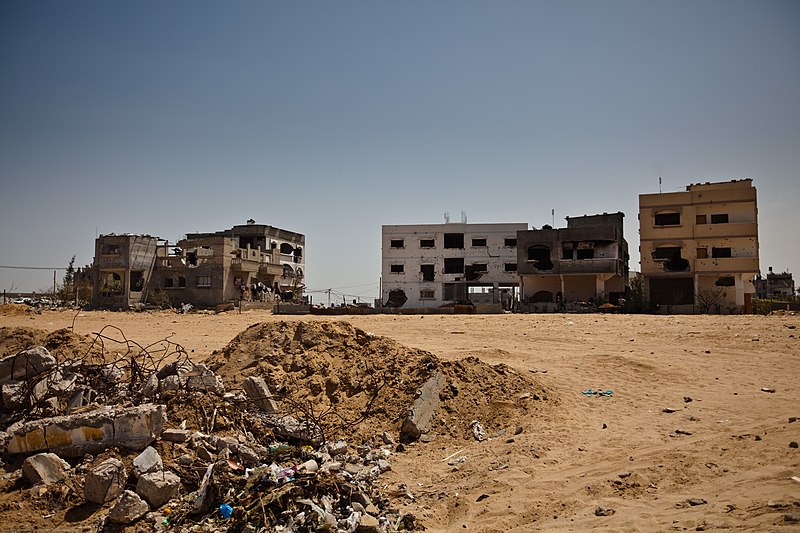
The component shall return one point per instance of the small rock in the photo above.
(175, 435)
(687, 399)
(129, 508)
(767, 389)
(158, 487)
(602, 511)
(605, 426)
(623, 475)
(669, 410)
(792, 419)
(368, 524)
(518, 430)
(791, 517)
(387, 438)
(696, 501)
(105, 482)
(793, 444)
(758, 437)
(147, 461)
(44, 469)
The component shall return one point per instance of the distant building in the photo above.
(775, 285)
(585, 262)
(429, 265)
(699, 247)
(204, 269)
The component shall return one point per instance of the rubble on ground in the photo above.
(289, 428)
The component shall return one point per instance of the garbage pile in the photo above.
(289, 428)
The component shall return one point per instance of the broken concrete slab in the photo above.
(44, 469)
(133, 428)
(158, 487)
(147, 461)
(105, 482)
(175, 435)
(26, 364)
(258, 392)
(420, 416)
(129, 508)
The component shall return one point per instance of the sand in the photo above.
(729, 446)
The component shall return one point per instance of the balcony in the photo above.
(245, 265)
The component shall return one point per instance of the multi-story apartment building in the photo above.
(204, 269)
(775, 285)
(585, 262)
(699, 247)
(428, 265)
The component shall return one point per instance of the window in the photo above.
(287, 248)
(397, 269)
(725, 281)
(169, 283)
(427, 243)
(721, 252)
(480, 267)
(427, 294)
(585, 253)
(510, 241)
(566, 250)
(203, 281)
(454, 240)
(701, 219)
(668, 219)
(666, 252)
(137, 280)
(110, 249)
(719, 219)
(181, 282)
(454, 265)
(191, 258)
(511, 267)
(702, 253)
(397, 243)
(479, 242)
(427, 272)
(539, 255)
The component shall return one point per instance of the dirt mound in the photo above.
(62, 343)
(16, 310)
(357, 385)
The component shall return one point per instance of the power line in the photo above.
(32, 268)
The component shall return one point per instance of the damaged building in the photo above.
(699, 247)
(430, 265)
(775, 285)
(203, 269)
(585, 262)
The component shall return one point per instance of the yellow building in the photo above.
(699, 248)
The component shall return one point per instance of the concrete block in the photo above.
(89, 432)
(420, 416)
(44, 469)
(158, 487)
(26, 364)
(105, 482)
(147, 461)
(258, 392)
(175, 435)
(129, 508)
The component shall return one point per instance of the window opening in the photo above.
(428, 272)
(454, 265)
(539, 255)
(427, 243)
(511, 267)
(719, 219)
(510, 241)
(397, 243)
(721, 252)
(479, 242)
(668, 219)
(427, 294)
(454, 240)
(397, 269)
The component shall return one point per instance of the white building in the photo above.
(436, 264)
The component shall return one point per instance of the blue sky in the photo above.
(333, 118)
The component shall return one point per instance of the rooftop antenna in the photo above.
(446, 217)
(553, 214)
(463, 217)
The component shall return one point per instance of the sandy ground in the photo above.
(727, 443)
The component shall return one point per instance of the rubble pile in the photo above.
(288, 428)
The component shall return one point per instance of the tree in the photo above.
(67, 290)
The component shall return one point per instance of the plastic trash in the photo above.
(225, 510)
